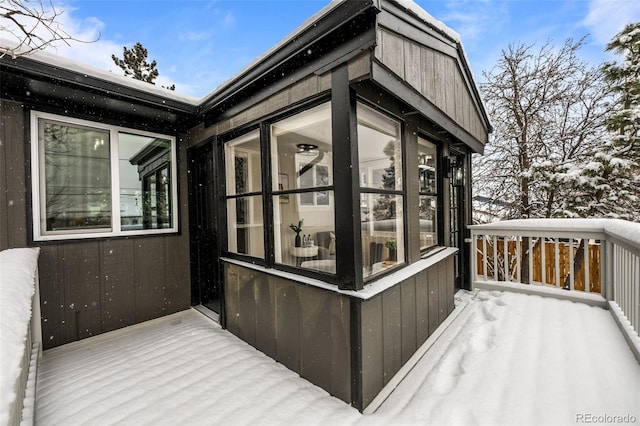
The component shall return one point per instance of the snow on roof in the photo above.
(426, 17)
(61, 62)
(108, 76)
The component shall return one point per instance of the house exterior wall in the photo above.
(435, 74)
(397, 322)
(92, 286)
(300, 91)
(305, 328)
(309, 329)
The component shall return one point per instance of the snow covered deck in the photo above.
(506, 359)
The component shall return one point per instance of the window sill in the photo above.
(371, 289)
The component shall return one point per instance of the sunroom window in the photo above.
(81, 170)
(245, 223)
(381, 191)
(302, 185)
(428, 193)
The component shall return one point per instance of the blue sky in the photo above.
(199, 44)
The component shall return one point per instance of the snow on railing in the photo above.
(20, 335)
(596, 260)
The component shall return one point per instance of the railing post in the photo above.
(607, 270)
(474, 258)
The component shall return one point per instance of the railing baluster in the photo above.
(505, 249)
(518, 260)
(495, 258)
(636, 289)
(544, 260)
(557, 249)
(572, 280)
(485, 265)
(586, 266)
(530, 260)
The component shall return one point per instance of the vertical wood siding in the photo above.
(303, 327)
(435, 75)
(397, 322)
(88, 287)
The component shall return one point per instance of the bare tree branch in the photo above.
(31, 26)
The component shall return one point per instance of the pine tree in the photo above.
(135, 64)
(608, 185)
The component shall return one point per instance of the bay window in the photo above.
(245, 223)
(302, 186)
(81, 170)
(428, 193)
(381, 190)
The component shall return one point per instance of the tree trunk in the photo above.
(524, 258)
(578, 260)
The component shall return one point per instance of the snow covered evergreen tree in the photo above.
(609, 184)
(547, 108)
(134, 64)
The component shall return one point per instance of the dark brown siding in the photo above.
(395, 325)
(13, 205)
(303, 327)
(88, 287)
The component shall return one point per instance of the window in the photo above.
(428, 193)
(381, 191)
(245, 226)
(81, 170)
(302, 170)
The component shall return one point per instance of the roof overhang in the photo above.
(41, 83)
(339, 32)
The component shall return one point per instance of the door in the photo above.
(458, 215)
(205, 276)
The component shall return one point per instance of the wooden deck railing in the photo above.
(598, 256)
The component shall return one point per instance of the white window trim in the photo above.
(37, 182)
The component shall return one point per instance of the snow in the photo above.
(626, 230)
(506, 359)
(88, 70)
(17, 274)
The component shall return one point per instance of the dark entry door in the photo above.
(205, 280)
(458, 216)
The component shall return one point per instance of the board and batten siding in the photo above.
(305, 328)
(435, 75)
(302, 90)
(308, 329)
(397, 322)
(92, 286)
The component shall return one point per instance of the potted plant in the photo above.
(392, 246)
(297, 229)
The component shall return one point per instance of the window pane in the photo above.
(243, 164)
(245, 230)
(427, 166)
(145, 182)
(379, 150)
(302, 149)
(316, 248)
(382, 232)
(428, 221)
(77, 177)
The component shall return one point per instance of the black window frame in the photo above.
(439, 185)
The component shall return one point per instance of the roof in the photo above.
(329, 30)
